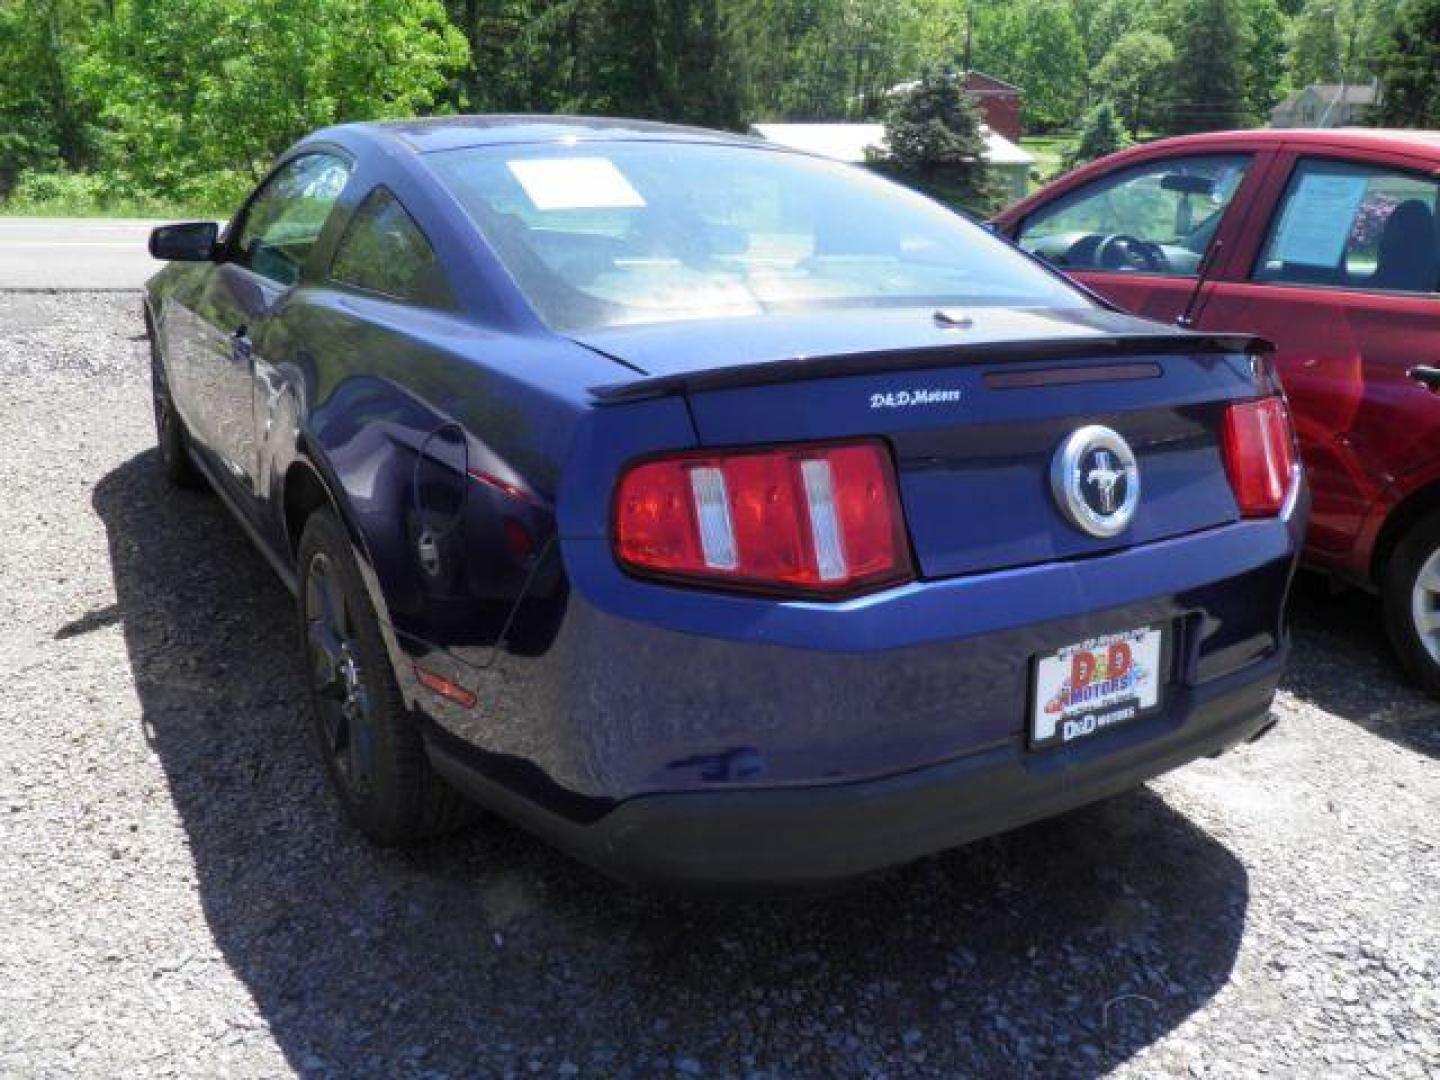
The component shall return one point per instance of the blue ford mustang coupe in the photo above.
(721, 513)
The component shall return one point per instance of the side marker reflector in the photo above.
(442, 686)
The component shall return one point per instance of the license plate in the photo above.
(1085, 688)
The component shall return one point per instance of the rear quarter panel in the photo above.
(399, 410)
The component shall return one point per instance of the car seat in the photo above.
(1406, 259)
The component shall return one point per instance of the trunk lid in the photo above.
(698, 348)
(975, 413)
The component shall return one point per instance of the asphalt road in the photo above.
(74, 253)
(179, 895)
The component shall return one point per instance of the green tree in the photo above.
(665, 59)
(1100, 134)
(1036, 45)
(1338, 41)
(1409, 66)
(1134, 71)
(44, 119)
(831, 59)
(1315, 48)
(1207, 80)
(934, 143)
(197, 96)
(1111, 21)
(1266, 27)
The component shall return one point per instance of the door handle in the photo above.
(1428, 377)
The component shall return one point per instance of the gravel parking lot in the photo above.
(178, 894)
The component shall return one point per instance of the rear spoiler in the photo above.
(870, 363)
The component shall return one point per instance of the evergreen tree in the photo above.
(934, 142)
(1100, 134)
(1208, 85)
(1410, 68)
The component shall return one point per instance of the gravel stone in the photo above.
(179, 895)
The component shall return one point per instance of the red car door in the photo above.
(1340, 267)
(1140, 233)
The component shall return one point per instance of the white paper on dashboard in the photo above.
(570, 183)
(1317, 222)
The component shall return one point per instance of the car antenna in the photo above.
(1188, 316)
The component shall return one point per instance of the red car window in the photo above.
(1155, 218)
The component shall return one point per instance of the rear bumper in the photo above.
(799, 835)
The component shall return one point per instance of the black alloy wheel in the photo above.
(368, 740)
(343, 704)
(171, 438)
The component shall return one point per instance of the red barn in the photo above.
(999, 101)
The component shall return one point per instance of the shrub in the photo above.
(934, 142)
(1101, 134)
(57, 193)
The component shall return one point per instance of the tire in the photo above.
(171, 437)
(1411, 597)
(369, 743)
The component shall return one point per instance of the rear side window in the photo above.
(383, 251)
(1354, 226)
(1156, 218)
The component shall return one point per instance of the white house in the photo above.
(1326, 105)
(1007, 163)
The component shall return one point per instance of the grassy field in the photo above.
(156, 209)
(80, 194)
(1048, 151)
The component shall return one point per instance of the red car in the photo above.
(1326, 243)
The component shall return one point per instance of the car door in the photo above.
(1141, 234)
(264, 256)
(1343, 274)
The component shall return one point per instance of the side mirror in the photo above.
(193, 241)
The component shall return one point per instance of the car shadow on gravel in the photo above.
(1061, 949)
(1341, 661)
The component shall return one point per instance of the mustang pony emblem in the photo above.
(1105, 477)
(1095, 480)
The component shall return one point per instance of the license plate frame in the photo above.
(1053, 721)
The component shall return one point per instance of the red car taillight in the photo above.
(1259, 455)
(817, 519)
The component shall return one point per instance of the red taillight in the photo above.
(806, 519)
(1259, 455)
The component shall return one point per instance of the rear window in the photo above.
(600, 234)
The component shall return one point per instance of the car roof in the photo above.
(1359, 139)
(428, 134)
